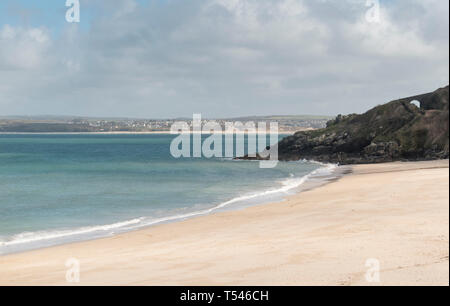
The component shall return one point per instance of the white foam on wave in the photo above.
(28, 237)
(34, 237)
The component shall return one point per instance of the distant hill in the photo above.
(67, 124)
(398, 130)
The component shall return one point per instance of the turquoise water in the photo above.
(60, 188)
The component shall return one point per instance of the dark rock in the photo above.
(394, 131)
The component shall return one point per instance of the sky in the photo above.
(219, 58)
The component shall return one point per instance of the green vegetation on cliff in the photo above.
(398, 130)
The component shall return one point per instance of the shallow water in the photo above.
(61, 188)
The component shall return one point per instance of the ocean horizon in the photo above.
(57, 189)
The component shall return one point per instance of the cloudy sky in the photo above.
(221, 58)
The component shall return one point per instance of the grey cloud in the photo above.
(229, 58)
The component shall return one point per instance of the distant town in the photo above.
(51, 124)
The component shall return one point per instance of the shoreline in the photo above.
(314, 179)
(142, 133)
(319, 236)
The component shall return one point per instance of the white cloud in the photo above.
(23, 48)
(226, 57)
(389, 39)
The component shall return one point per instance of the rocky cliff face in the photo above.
(394, 131)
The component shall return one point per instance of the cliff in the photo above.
(398, 130)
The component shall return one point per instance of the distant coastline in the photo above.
(286, 124)
(281, 132)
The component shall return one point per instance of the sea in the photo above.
(63, 188)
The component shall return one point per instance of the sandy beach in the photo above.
(396, 214)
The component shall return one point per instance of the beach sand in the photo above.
(397, 214)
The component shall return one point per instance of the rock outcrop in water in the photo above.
(398, 130)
